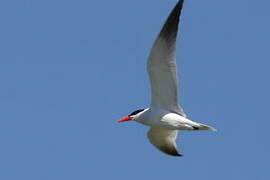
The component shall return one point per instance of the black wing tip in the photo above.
(180, 3)
(170, 151)
(170, 28)
(176, 155)
(195, 128)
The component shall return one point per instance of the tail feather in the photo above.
(205, 127)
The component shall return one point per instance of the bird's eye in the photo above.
(135, 112)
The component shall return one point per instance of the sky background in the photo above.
(69, 69)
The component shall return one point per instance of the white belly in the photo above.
(166, 119)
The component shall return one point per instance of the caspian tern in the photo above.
(165, 116)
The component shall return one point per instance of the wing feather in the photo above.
(164, 140)
(161, 65)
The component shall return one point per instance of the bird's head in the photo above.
(132, 116)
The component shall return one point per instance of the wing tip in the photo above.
(170, 151)
(170, 28)
(177, 155)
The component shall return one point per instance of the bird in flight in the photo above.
(165, 116)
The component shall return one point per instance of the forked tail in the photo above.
(205, 127)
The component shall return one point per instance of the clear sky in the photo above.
(69, 69)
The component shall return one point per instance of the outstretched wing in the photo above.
(161, 65)
(164, 140)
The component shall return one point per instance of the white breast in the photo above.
(163, 118)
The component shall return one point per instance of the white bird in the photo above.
(165, 116)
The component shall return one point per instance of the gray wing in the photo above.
(161, 65)
(164, 140)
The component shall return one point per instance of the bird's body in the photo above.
(166, 119)
(165, 116)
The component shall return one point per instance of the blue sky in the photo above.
(70, 69)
